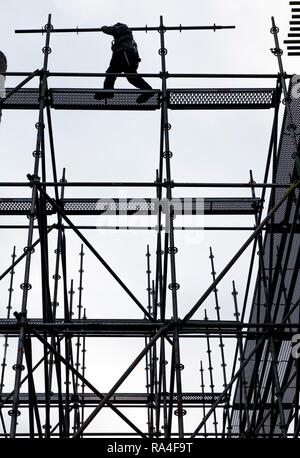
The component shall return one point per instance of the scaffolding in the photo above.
(260, 395)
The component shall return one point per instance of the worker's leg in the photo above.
(136, 80)
(131, 61)
(109, 82)
(140, 83)
(115, 66)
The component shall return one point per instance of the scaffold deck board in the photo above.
(187, 99)
(114, 206)
(118, 398)
(126, 99)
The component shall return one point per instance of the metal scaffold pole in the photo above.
(26, 286)
(169, 246)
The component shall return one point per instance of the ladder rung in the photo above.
(294, 3)
(293, 53)
(295, 42)
(294, 29)
(295, 22)
(296, 16)
(293, 35)
(293, 47)
(295, 10)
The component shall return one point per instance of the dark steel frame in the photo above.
(164, 392)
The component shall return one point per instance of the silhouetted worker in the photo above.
(3, 68)
(125, 58)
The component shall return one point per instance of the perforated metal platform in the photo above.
(187, 206)
(126, 99)
(118, 399)
(80, 99)
(221, 98)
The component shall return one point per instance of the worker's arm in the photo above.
(110, 30)
(3, 62)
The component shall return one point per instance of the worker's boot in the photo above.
(144, 97)
(104, 95)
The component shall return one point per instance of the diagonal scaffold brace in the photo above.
(259, 228)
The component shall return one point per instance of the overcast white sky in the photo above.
(124, 146)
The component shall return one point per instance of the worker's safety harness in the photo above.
(130, 46)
